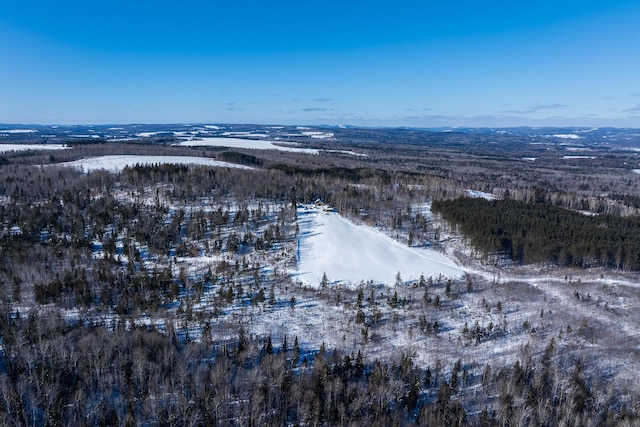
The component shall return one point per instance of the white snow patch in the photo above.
(578, 157)
(151, 134)
(250, 144)
(117, 163)
(349, 253)
(253, 144)
(318, 135)
(18, 131)
(567, 136)
(480, 195)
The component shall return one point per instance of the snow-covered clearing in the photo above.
(480, 195)
(18, 131)
(4, 148)
(567, 136)
(250, 144)
(350, 253)
(118, 163)
(253, 144)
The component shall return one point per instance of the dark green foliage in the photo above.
(538, 232)
(240, 158)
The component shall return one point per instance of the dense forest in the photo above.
(57, 373)
(539, 232)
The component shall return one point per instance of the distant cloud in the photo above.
(312, 109)
(548, 106)
(323, 99)
(528, 111)
(535, 108)
(632, 110)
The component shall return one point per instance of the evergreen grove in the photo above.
(539, 232)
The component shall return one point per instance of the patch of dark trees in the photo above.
(539, 232)
(239, 158)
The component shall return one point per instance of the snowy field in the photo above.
(4, 148)
(117, 163)
(349, 253)
(250, 144)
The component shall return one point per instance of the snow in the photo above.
(578, 157)
(349, 253)
(318, 135)
(23, 147)
(530, 159)
(250, 144)
(117, 163)
(150, 134)
(567, 136)
(18, 131)
(480, 195)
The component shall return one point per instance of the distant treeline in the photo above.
(539, 232)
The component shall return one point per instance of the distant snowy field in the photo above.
(349, 253)
(4, 148)
(253, 144)
(117, 163)
(250, 144)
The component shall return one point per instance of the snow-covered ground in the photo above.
(16, 131)
(117, 163)
(245, 143)
(480, 195)
(253, 144)
(350, 253)
(4, 148)
(578, 157)
(567, 136)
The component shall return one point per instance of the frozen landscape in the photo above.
(259, 269)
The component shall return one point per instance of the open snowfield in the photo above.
(250, 144)
(117, 163)
(4, 148)
(350, 253)
(17, 131)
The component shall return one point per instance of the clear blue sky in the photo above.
(396, 63)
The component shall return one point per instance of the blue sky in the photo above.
(400, 63)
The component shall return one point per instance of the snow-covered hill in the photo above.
(349, 253)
